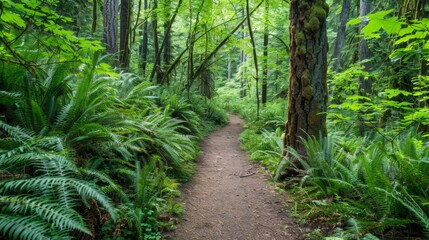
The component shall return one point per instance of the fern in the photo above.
(24, 228)
(64, 219)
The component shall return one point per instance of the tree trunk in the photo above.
(341, 35)
(167, 52)
(412, 9)
(255, 59)
(365, 85)
(229, 67)
(94, 16)
(157, 63)
(144, 49)
(265, 58)
(110, 25)
(308, 69)
(243, 60)
(125, 30)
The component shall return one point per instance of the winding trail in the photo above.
(228, 198)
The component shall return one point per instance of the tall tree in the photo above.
(125, 33)
(365, 84)
(308, 69)
(144, 49)
(167, 48)
(156, 49)
(341, 35)
(265, 58)
(243, 58)
(255, 58)
(110, 25)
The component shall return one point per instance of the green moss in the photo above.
(317, 16)
(319, 12)
(312, 25)
(307, 92)
(300, 38)
(303, 6)
(325, 7)
(305, 79)
(301, 49)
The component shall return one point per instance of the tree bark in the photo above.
(307, 92)
(144, 48)
(341, 35)
(265, 57)
(412, 9)
(125, 30)
(110, 25)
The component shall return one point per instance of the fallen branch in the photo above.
(247, 175)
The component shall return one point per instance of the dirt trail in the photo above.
(228, 198)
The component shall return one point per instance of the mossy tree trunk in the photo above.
(307, 76)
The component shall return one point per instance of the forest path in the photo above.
(228, 198)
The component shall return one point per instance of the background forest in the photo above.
(102, 105)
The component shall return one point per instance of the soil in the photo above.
(229, 198)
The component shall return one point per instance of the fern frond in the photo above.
(20, 134)
(63, 218)
(24, 228)
(85, 189)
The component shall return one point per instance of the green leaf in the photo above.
(12, 18)
(391, 93)
(354, 21)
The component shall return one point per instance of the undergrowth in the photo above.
(90, 155)
(352, 187)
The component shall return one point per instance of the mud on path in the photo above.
(229, 199)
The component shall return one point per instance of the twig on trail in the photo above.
(247, 175)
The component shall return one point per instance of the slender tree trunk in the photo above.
(341, 35)
(157, 63)
(167, 51)
(229, 73)
(265, 58)
(243, 59)
(308, 69)
(156, 70)
(94, 16)
(144, 48)
(125, 30)
(110, 25)
(412, 9)
(365, 84)
(255, 59)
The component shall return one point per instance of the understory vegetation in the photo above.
(354, 184)
(368, 179)
(103, 104)
(85, 153)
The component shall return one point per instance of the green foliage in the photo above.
(383, 179)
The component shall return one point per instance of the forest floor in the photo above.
(228, 198)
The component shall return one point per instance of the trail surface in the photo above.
(229, 199)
